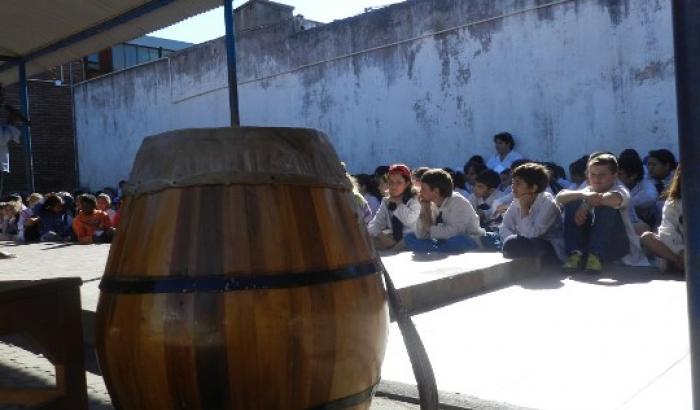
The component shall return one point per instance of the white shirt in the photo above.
(7, 133)
(543, 221)
(490, 201)
(458, 218)
(671, 230)
(495, 163)
(643, 194)
(406, 213)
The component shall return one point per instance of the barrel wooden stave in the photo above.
(307, 345)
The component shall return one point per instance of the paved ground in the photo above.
(552, 342)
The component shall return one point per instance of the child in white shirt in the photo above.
(532, 225)
(485, 193)
(669, 243)
(398, 213)
(447, 222)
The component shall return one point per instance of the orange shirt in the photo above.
(85, 226)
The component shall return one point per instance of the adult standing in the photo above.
(8, 133)
(505, 153)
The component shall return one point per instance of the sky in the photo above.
(210, 25)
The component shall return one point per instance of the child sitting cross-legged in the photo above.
(485, 193)
(92, 225)
(597, 227)
(669, 243)
(532, 224)
(447, 222)
(398, 213)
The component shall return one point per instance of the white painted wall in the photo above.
(566, 80)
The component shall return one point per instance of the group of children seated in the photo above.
(612, 209)
(58, 217)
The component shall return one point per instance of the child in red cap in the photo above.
(398, 213)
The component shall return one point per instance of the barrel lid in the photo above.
(235, 155)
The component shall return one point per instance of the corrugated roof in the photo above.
(34, 28)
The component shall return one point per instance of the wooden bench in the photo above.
(49, 312)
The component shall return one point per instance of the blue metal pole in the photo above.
(686, 30)
(26, 130)
(231, 61)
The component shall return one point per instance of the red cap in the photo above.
(400, 169)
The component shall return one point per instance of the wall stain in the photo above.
(617, 9)
(653, 72)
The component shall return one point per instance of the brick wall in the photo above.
(53, 136)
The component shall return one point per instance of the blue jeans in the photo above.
(603, 234)
(456, 244)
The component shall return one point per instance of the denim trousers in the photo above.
(603, 234)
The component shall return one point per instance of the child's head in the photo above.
(602, 172)
(472, 170)
(53, 203)
(399, 178)
(436, 184)
(504, 143)
(629, 153)
(368, 185)
(417, 175)
(88, 203)
(674, 190)
(506, 178)
(661, 162)
(486, 182)
(104, 202)
(34, 199)
(380, 176)
(529, 178)
(630, 170)
(577, 170)
(458, 180)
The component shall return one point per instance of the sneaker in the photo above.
(572, 263)
(593, 265)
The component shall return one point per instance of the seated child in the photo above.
(104, 204)
(369, 189)
(92, 225)
(485, 193)
(51, 222)
(643, 194)
(669, 243)
(532, 224)
(577, 173)
(10, 221)
(506, 185)
(472, 168)
(597, 227)
(398, 213)
(447, 222)
(416, 175)
(27, 212)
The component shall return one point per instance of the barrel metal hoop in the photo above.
(348, 401)
(220, 283)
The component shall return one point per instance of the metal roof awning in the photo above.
(44, 34)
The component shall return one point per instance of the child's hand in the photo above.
(581, 215)
(594, 199)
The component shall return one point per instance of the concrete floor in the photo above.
(552, 342)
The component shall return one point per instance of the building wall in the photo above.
(426, 82)
(53, 149)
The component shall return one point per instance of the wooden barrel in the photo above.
(240, 278)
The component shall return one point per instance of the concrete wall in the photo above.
(426, 82)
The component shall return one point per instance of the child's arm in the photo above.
(509, 223)
(566, 195)
(460, 220)
(425, 220)
(538, 221)
(81, 231)
(379, 221)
